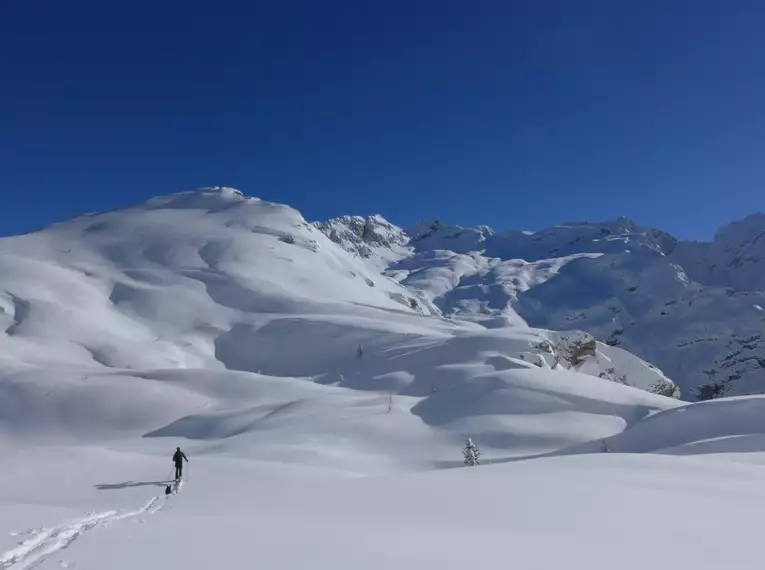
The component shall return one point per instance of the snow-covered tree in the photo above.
(471, 453)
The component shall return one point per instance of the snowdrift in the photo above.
(733, 428)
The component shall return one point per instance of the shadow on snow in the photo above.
(129, 484)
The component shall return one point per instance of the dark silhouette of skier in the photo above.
(178, 458)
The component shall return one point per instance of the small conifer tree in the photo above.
(471, 453)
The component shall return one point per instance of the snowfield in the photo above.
(545, 513)
(323, 379)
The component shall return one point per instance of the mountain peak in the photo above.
(200, 198)
(367, 237)
(734, 258)
(745, 229)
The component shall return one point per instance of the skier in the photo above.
(178, 458)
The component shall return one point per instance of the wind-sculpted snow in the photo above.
(729, 428)
(425, 391)
(323, 386)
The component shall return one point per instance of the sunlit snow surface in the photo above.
(324, 415)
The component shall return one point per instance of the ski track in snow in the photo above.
(47, 541)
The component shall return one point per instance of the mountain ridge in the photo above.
(615, 280)
(620, 277)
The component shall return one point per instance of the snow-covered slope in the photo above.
(215, 317)
(581, 512)
(728, 428)
(275, 464)
(213, 279)
(320, 391)
(172, 281)
(693, 309)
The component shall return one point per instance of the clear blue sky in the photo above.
(515, 114)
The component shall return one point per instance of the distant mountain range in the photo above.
(694, 309)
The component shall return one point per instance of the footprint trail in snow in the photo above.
(47, 541)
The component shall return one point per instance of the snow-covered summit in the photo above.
(210, 198)
(563, 239)
(437, 235)
(372, 238)
(734, 258)
(160, 283)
